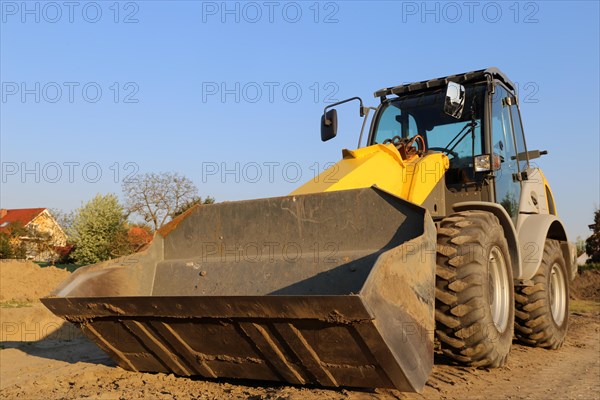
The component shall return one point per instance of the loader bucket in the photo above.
(331, 289)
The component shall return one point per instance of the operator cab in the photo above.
(472, 117)
(423, 114)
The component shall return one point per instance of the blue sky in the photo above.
(230, 94)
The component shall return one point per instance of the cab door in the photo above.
(505, 122)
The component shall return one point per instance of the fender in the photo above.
(509, 229)
(533, 232)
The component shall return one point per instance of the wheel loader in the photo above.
(439, 234)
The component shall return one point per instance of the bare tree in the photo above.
(63, 218)
(157, 196)
(196, 200)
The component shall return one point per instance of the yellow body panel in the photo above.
(412, 179)
(550, 201)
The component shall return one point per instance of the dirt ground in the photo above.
(43, 358)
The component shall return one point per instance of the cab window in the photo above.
(508, 190)
(423, 114)
(395, 122)
(519, 137)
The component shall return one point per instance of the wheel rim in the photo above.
(499, 289)
(558, 290)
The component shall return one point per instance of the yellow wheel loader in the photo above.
(438, 230)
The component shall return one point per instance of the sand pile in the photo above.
(27, 281)
(586, 286)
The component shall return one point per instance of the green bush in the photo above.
(99, 231)
(589, 267)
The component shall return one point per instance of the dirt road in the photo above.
(42, 358)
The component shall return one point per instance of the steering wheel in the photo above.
(395, 140)
(405, 143)
(445, 150)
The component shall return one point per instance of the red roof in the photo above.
(22, 215)
(63, 251)
(139, 237)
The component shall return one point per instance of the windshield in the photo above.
(423, 114)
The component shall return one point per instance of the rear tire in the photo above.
(542, 314)
(474, 290)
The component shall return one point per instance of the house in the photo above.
(139, 238)
(35, 231)
(582, 259)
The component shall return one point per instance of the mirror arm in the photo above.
(530, 155)
(328, 122)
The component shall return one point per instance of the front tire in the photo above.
(474, 290)
(542, 314)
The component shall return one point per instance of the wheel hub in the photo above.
(498, 288)
(557, 294)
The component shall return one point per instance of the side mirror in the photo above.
(329, 125)
(455, 100)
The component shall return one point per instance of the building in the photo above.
(139, 238)
(582, 259)
(34, 230)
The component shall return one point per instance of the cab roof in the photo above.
(464, 78)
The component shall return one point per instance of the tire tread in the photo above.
(460, 316)
(534, 325)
